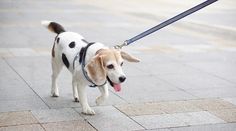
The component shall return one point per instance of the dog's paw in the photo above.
(99, 100)
(76, 99)
(88, 111)
(55, 94)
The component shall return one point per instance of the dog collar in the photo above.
(82, 55)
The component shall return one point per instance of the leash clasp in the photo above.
(122, 45)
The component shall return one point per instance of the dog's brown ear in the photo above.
(128, 57)
(96, 71)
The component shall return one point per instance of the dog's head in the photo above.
(107, 65)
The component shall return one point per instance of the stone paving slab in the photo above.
(205, 57)
(23, 93)
(177, 119)
(231, 100)
(109, 118)
(56, 115)
(21, 105)
(197, 81)
(157, 108)
(31, 127)
(137, 109)
(78, 125)
(159, 121)
(17, 118)
(154, 83)
(178, 106)
(212, 104)
(15, 94)
(219, 69)
(159, 68)
(163, 129)
(214, 93)
(198, 118)
(228, 115)
(152, 96)
(211, 127)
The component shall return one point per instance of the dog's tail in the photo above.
(53, 26)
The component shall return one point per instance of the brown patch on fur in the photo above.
(110, 55)
(96, 70)
(55, 27)
(129, 57)
(50, 28)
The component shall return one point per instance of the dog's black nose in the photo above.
(122, 78)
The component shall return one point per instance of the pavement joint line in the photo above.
(176, 87)
(42, 126)
(129, 117)
(27, 84)
(91, 124)
(167, 112)
(84, 118)
(118, 96)
(20, 125)
(209, 73)
(37, 120)
(23, 123)
(209, 124)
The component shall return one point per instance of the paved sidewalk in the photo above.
(186, 80)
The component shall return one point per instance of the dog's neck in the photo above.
(93, 49)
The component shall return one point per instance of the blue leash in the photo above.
(166, 23)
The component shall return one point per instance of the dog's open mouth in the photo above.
(117, 87)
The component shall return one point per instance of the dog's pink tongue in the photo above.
(117, 87)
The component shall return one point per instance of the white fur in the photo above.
(79, 82)
(45, 23)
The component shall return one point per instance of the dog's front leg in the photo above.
(104, 94)
(86, 109)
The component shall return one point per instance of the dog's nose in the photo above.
(122, 78)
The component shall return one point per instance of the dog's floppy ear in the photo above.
(96, 71)
(128, 57)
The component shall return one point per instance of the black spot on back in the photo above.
(65, 60)
(72, 44)
(58, 39)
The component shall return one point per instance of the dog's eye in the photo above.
(121, 63)
(110, 66)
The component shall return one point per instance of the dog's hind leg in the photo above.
(104, 94)
(56, 69)
(75, 90)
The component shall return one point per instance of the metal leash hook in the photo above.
(122, 45)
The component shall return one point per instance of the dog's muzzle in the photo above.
(117, 87)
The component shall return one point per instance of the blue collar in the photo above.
(81, 55)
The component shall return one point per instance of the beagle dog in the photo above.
(89, 63)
